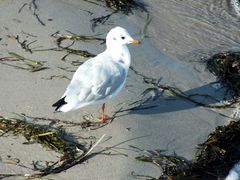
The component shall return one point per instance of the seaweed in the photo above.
(226, 67)
(32, 6)
(53, 139)
(213, 159)
(56, 76)
(220, 150)
(72, 153)
(88, 122)
(100, 20)
(125, 6)
(24, 44)
(29, 64)
(73, 37)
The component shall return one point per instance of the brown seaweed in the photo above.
(125, 6)
(73, 37)
(213, 160)
(24, 44)
(226, 67)
(32, 6)
(28, 64)
(100, 20)
(72, 153)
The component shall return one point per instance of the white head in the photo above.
(119, 36)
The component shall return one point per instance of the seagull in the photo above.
(100, 78)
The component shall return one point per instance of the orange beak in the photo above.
(135, 41)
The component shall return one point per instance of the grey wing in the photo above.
(95, 82)
(111, 85)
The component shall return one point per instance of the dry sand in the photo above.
(180, 34)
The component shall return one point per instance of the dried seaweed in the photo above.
(125, 6)
(32, 6)
(53, 139)
(170, 165)
(213, 160)
(24, 44)
(56, 76)
(100, 20)
(72, 153)
(73, 37)
(220, 150)
(28, 64)
(226, 67)
(51, 121)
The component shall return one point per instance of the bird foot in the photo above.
(104, 118)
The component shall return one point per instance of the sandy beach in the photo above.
(180, 35)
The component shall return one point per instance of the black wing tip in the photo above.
(59, 103)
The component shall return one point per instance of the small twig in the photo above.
(90, 150)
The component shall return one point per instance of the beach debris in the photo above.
(220, 150)
(56, 76)
(24, 44)
(32, 6)
(28, 64)
(52, 122)
(72, 153)
(75, 37)
(51, 138)
(90, 124)
(226, 67)
(72, 37)
(100, 20)
(125, 6)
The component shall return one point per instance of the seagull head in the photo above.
(120, 36)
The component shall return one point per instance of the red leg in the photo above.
(103, 118)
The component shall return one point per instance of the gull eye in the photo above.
(122, 37)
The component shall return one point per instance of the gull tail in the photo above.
(59, 103)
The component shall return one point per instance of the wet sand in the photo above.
(179, 35)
